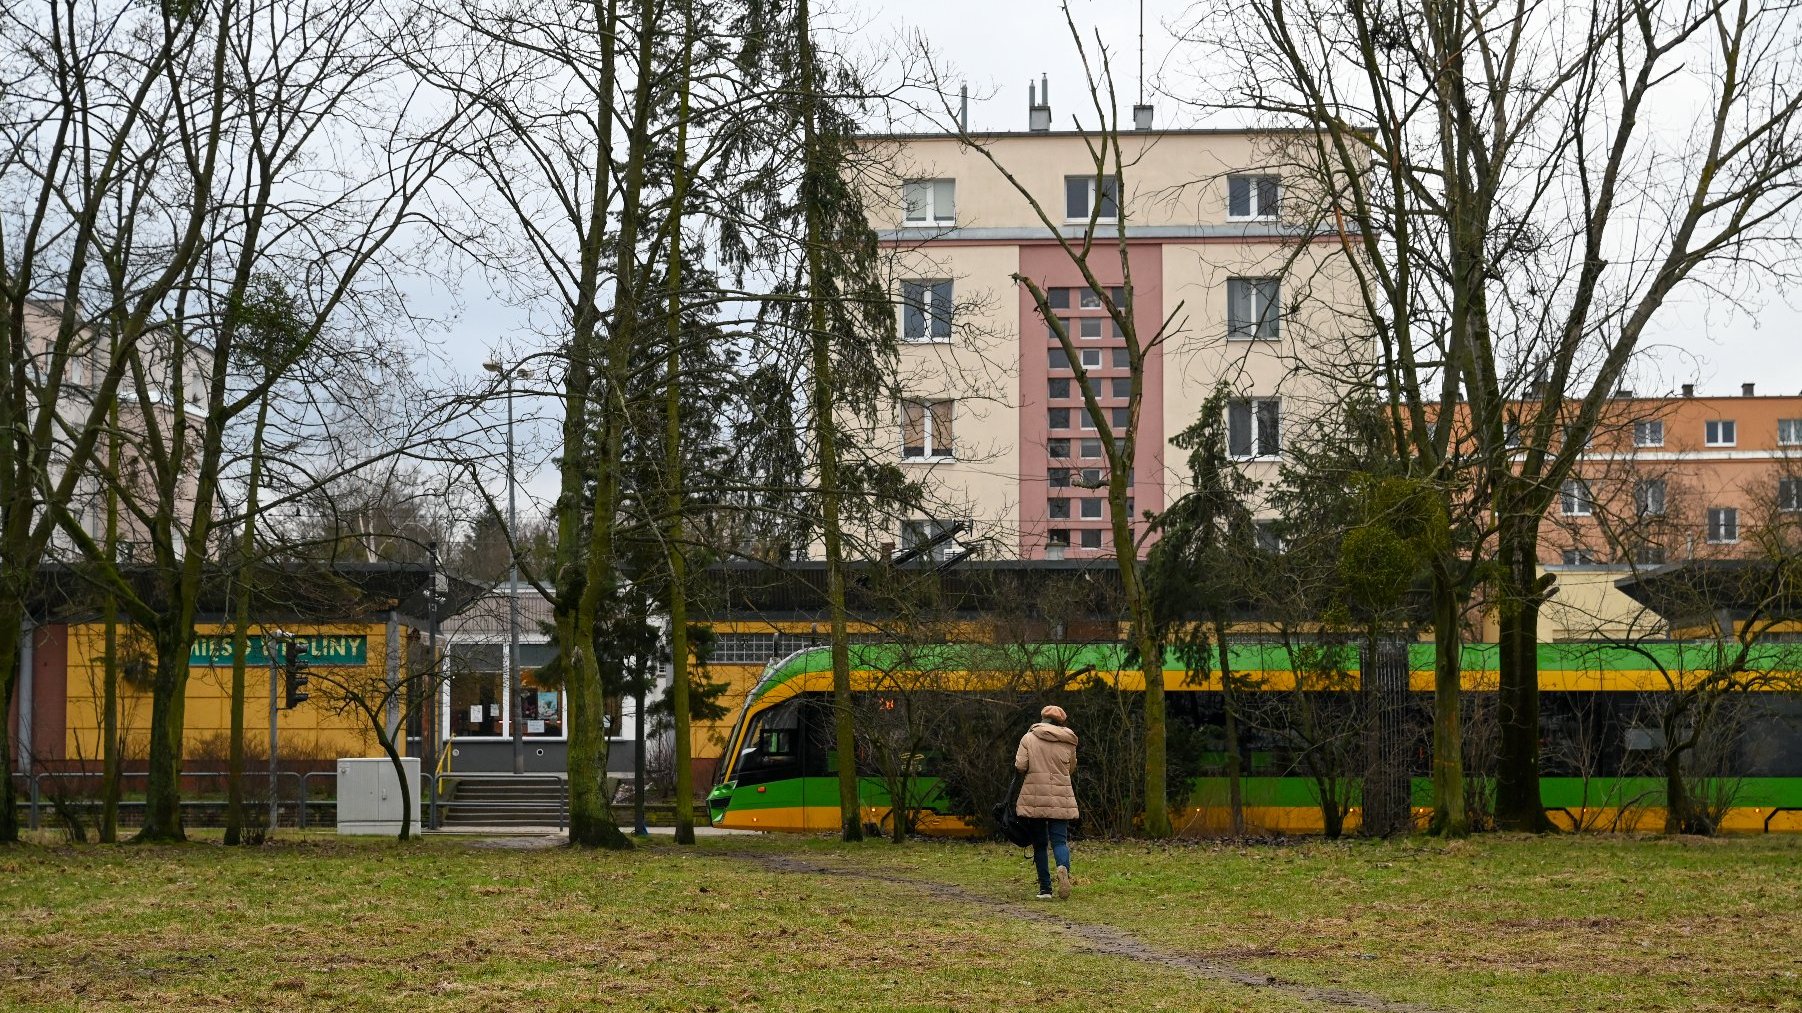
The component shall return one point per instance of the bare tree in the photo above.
(1522, 209)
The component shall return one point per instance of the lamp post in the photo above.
(514, 689)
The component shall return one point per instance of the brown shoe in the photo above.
(1063, 883)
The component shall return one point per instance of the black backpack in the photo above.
(1018, 829)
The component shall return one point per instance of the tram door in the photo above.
(819, 762)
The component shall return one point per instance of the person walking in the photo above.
(1047, 758)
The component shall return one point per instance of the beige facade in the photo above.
(85, 359)
(1002, 471)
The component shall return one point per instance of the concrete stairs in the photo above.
(476, 800)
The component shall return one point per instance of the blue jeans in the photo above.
(1054, 834)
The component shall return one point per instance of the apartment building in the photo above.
(991, 416)
(85, 361)
(1667, 480)
(1671, 479)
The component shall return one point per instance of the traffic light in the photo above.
(296, 670)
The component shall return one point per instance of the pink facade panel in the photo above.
(1060, 451)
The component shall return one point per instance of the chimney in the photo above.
(1038, 105)
(1623, 392)
(1689, 390)
(1141, 117)
(963, 109)
(1745, 389)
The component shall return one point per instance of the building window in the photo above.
(1266, 537)
(1789, 495)
(1649, 433)
(1092, 478)
(1721, 433)
(1060, 359)
(1079, 197)
(1089, 328)
(1091, 449)
(1058, 387)
(1789, 432)
(1058, 508)
(1091, 509)
(1091, 358)
(917, 532)
(1579, 557)
(1120, 418)
(1252, 428)
(926, 429)
(1723, 524)
(1058, 478)
(1088, 299)
(1648, 497)
(1122, 386)
(1086, 420)
(1122, 359)
(1574, 497)
(1058, 418)
(926, 310)
(1058, 538)
(1091, 538)
(1252, 196)
(1252, 307)
(929, 201)
(1059, 449)
(1511, 435)
(1649, 555)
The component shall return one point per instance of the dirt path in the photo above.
(1103, 939)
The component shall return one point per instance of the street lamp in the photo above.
(513, 682)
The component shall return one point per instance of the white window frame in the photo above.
(930, 215)
(924, 528)
(927, 316)
(1720, 433)
(1723, 525)
(1574, 499)
(1270, 312)
(1649, 497)
(1255, 428)
(1251, 197)
(1089, 203)
(1789, 494)
(1579, 557)
(1091, 358)
(1789, 432)
(1648, 433)
(929, 452)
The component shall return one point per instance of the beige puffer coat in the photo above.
(1047, 756)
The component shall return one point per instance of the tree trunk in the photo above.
(825, 435)
(672, 460)
(109, 691)
(638, 743)
(1676, 795)
(168, 706)
(1451, 818)
(234, 785)
(1235, 794)
(109, 726)
(1517, 800)
(12, 611)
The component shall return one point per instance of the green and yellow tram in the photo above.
(780, 768)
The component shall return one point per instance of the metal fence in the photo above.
(309, 804)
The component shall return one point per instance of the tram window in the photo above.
(771, 749)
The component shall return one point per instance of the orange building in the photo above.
(1667, 480)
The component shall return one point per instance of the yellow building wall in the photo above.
(313, 730)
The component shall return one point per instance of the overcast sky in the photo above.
(998, 46)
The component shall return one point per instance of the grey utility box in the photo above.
(369, 800)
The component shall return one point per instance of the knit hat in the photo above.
(1052, 712)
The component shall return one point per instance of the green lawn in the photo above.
(1495, 924)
